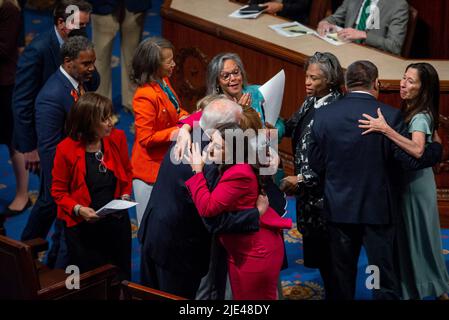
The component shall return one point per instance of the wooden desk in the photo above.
(200, 29)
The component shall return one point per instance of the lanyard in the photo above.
(170, 94)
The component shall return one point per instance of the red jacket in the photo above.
(236, 190)
(69, 186)
(155, 120)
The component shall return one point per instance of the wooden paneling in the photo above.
(432, 29)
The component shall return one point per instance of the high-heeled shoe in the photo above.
(444, 296)
(12, 213)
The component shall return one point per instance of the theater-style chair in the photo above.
(411, 27)
(134, 291)
(23, 277)
(319, 9)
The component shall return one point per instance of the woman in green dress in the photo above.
(422, 269)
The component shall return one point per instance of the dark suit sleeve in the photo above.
(234, 222)
(432, 153)
(50, 119)
(293, 9)
(28, 83)
(315, 154)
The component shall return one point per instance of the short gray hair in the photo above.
(331, 68)
(221, 110)
(147, 60)
(73, 46)
(216, 66)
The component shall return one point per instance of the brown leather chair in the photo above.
(319, 9)
(411, 27)
(134, 291)
(23, 277)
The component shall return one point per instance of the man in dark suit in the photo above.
(53, 102)
(361, 182)
(40, 59)
(176, 242)
(127, 18)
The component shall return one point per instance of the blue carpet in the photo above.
(298, 282)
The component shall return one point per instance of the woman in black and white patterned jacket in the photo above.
(324, 82)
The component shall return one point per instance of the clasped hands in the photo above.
(346, 34)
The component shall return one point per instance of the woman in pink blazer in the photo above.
(254, 259)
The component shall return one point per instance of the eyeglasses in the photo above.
(226, 76)
(99, 156)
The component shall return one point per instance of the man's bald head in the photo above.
(218, 111)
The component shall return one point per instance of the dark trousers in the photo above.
(316, 250)
(154, 276)
(39, 223)
(213, 284)
(346, 241)
(91, 245)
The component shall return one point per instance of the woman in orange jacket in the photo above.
(91, 168)
(157, 110)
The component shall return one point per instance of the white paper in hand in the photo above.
(273, 92)
(114, 206)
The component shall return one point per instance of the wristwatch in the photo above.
(76, 210)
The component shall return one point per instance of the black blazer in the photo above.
(362, 173)
(172, 232)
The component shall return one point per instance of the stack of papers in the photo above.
(332, 37)
(296, 29)
(238, 15)
(273, 92)
(291, 29)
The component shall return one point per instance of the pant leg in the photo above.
(42, 215)
(131, 33)
(379, 241)
(104, 29)
(181, 284)
(142, 194)
(213, 284)
(58, 251)
(119, 246)
(345, 245)
(154, 276)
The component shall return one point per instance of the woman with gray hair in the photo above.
(226, 75)
(324, 80)
(157, 110)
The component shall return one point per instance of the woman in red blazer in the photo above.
(157, 110)
(91, 168)
(254, 259)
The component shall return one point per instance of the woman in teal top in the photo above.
(226, 75)
(422, 269)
